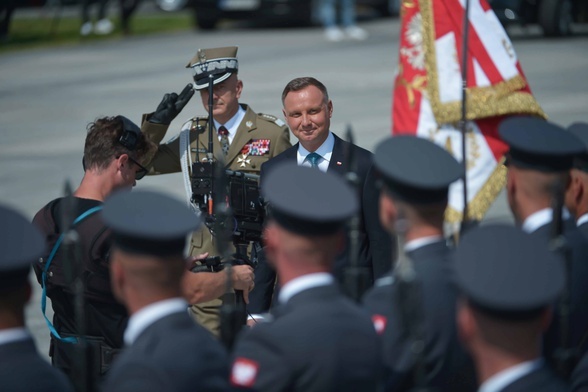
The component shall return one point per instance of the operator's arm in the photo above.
(206, 286)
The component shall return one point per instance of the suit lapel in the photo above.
(338, 163)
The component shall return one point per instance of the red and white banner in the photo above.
(428, 91)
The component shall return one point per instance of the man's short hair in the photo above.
(103, 143)
(302, 83)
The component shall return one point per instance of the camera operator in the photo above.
(113, 151)
(242, 139)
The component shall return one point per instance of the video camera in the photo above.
(243, 196)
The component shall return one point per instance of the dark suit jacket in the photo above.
(584, 229)
(580, 376)
(375, 244)
(578, 332)
(22, 369)
(448, 367)
(172, 354)
(319, 341)
(540, 380)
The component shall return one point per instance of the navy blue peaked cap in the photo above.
(148, 222)
(416, 170)
(539, 145)
(21, 243)
(307, 201)
(507, 272)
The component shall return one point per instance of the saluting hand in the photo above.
(171, 105)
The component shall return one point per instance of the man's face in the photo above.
(308, 116)
(225, 98)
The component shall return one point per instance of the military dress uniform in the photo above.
(21, 367)
(580, 130)
(540, 146)
(165, 349)
(259, 137)
(530, 279)
(426, 181)
(319, 340)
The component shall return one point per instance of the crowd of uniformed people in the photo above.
(353, 287)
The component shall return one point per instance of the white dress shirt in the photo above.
(13, 335)
(502, 379)
(302, 283)
(232, 125)
(150, 314)
(420, 242)
(541, 218)
(581, 220)
(325, 151)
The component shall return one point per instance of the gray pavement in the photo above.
(48, 96)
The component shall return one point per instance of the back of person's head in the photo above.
(301, 83)
(110, 137)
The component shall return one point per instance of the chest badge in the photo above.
(243, 160)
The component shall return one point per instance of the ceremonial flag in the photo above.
(428, 91)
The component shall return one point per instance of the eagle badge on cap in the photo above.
(244, 372)
(201, 56)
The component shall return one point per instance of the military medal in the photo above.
(243, 160)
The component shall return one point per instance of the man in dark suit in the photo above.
(509, 281)
(21, 367)
(166, 350)
(577, 194)
(539, 161)
(414, 193)
(319, 340)
(308, 111)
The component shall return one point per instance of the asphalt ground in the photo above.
(48, 96)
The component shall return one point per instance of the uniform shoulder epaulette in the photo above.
(271, 118)
(197, 121)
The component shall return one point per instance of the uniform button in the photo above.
(253, 165)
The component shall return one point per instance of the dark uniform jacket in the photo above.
(172, 354)
(319, 341)
(448, 367)
(258, 138)
(539, 380)
(580, 376)
(578, 322)
(105, 317)
(23, 370)
(376, 247)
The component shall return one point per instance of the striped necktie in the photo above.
(224, 134)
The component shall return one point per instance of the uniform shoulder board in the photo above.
(273, 119)
(384, 281)
(195, 122)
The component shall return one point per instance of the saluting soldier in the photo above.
(416, 191)
(577, 194)
(509, 282)
(21, 367)
(165, 349)
(242, 138)
(319, 340)
(539, 161)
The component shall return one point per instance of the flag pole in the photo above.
(464, 78)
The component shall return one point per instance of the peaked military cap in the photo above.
(506, 272)
(416, 170)
(220, 63)
(539, 145)
(307, 201)
(580, 130)
(147, 222)
(21, 243)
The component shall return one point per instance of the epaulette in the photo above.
(271, 118)
(197, 122)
